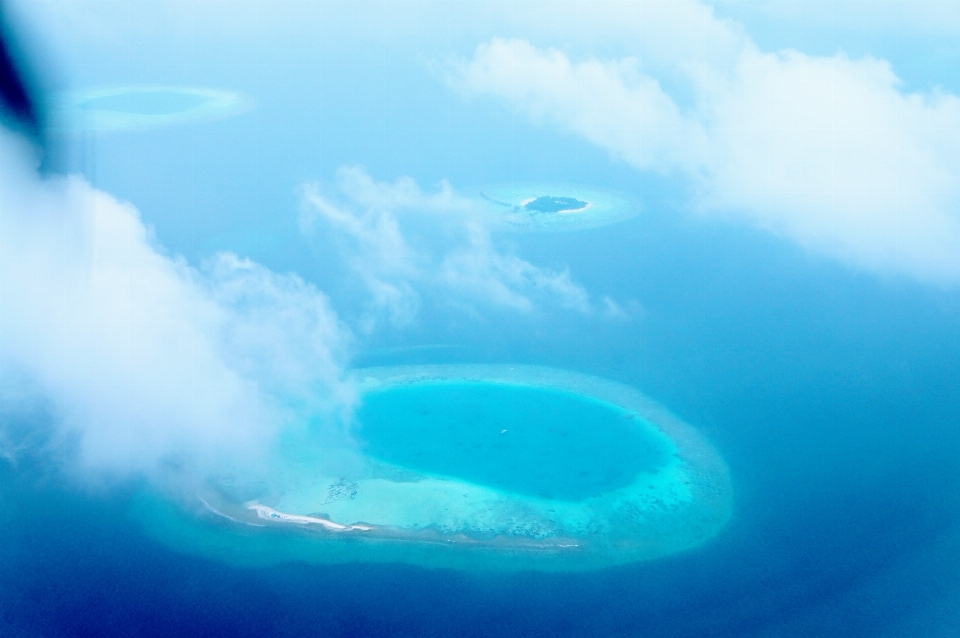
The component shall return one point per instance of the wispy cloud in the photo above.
(612, 104)
(828, 151)
(408, 246)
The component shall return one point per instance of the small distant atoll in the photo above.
(528, 207)
(550, 204)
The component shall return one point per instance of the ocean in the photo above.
(829, 389)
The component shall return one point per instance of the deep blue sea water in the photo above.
(831, 393)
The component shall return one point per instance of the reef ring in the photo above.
(141, 107)
(401, 510)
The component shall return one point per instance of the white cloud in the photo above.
(141, 360)
(825, 150)
(407, 245)
(897, 17)
(478, 269)
(612, 104)
(830, 153)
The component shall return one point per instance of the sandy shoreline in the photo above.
(271, 514)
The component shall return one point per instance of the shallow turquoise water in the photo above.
(526, 440)
(146, 102)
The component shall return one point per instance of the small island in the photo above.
(560, 205)
(555, 207)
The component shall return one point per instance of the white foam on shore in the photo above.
(273, 515)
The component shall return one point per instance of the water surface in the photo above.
(527, 440)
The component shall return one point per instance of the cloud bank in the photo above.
(141, 362)
(408, 247)
(827, 151)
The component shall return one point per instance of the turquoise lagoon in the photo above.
(474, 467)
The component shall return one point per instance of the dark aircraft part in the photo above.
(17, 106)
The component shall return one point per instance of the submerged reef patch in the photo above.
(471, 466)
(556, 207)
(141, 107)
